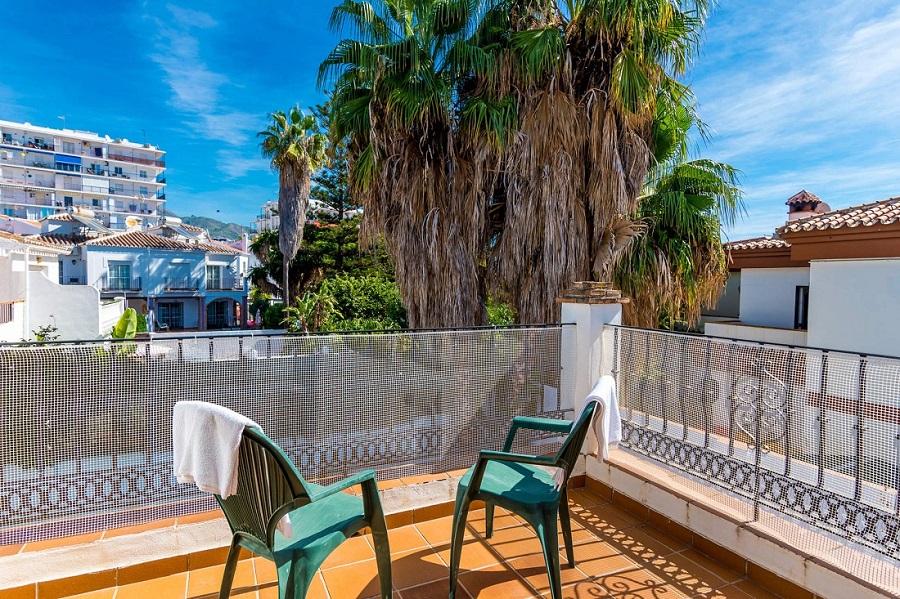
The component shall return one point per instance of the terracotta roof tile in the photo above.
(758, 243)
(803, 197)
(139, 239)
(192, 228)
(883, 212)
(35, 240)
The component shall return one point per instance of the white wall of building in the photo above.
(853, 305)
(73, 309)
(739, 330)
(12, 330)
(768, 294)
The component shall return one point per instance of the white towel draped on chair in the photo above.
(205, 442)
(605, 431)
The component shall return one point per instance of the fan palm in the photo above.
(295, 150)
(418, 176)
(585, 75)
(678, 265)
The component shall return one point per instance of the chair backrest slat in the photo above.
(571, 446)
(266, 480)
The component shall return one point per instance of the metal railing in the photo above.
(87, 427)
(72, 280)
(224, 284)
(120, 284)
(808, 433)
(136, 160)
(180, 284)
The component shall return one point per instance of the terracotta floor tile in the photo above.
(101, 594)
(496, 582)
(437, 532)
(201, 517)
(353, 580)
(354, 549)
(688, 576)
(502, 519)
(753, 590)
(585, 589)
(209, 580)
(533, 569)
(726, 592)
(584, 497)
(169, 586)
(605, 565)
(635, 584)
(514, 542)
(133, 530)
(476, 554)
(62, 542)
(601, 519)
(438, 588)
(316, 590)
(391, 483)
(417, 567)
(149, 570)
(405, 538)
(6, 550)
(423, 478)
(591, 550)
(265, 570)
(644, 542)
(723, 572)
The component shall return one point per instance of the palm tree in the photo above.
(295, 150)
(678, 265)
(585, 75)
(420, 181)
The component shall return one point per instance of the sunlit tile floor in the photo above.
(616, 555)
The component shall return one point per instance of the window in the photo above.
(38, 141)
(68, 147)
(72, 168)
(119, 189)
(95, 203)
(118, 170)
(142, 174)
(143, 191)
(7, 138)
(119, 277)
(170, 315)
(67, 201)
(9, 212)
(801, 307)
(213, 277)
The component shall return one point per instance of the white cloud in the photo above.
(804, 96)
(234, 165)
(197, 89)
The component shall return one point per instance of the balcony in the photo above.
(73, 281)
(224, 284)
(683, 509)
(181, 284)
(136, 160)
(110, 284)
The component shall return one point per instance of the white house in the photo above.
(188, 280)
(827, 279)
(31, 298)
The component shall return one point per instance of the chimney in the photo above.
(804, 204)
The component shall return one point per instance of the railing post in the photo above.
(590, 306)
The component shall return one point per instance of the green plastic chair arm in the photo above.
(365, 478)
(353, 480)
(486, 456)
(552, 425)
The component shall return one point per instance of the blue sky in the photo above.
(799, 95)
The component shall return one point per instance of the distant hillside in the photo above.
(215, 227)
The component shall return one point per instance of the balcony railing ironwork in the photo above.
(416, 403)
(120, 284)
(807, 433)
(180, 284)
(136, 160)
(224, 284)
(73, 280)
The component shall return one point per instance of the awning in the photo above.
(68, 159)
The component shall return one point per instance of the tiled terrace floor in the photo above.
(617, 555)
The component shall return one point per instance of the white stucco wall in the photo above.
(12, 330)
(73, 309)
(853, 305)
(739, 330)
(767, 295)
(729, 302)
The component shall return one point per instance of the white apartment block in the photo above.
(46, 171)
(268, 217)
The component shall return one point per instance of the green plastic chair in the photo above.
(269, 486)
(516, 482)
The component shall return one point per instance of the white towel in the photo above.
(205, 442)
(605, 423)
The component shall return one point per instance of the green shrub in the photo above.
(273, 317)
(364, 302)
(141, 323)
(499, 313)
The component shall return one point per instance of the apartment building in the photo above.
(46, 171)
